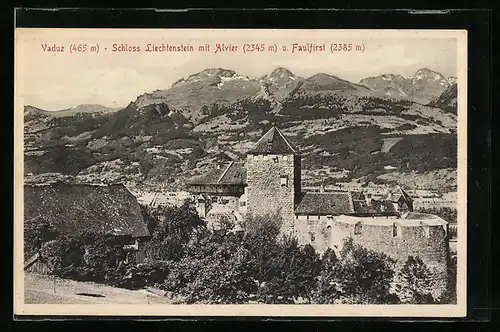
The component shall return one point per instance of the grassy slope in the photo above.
(39, 289)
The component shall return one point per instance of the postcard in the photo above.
(231, 172)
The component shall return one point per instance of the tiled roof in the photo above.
(273, 142)
(229, 173)
(374, 207)
(334, 203)
(76, 208)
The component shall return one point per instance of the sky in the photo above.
(59, 80)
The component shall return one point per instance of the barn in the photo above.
(77, 208)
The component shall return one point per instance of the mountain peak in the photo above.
(208, 73)
(426, 72)
(281, 72)
(217, 71)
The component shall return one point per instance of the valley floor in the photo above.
(39, 289)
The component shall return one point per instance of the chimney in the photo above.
(218, 165)
(322, 188)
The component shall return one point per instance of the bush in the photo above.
(360, 276)
(450, 296)
(414, 282)
(290, 273)
(37, 232)
(177, 225)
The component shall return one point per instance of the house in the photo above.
(77, 208)
(224, 186)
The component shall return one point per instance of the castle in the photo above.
(270, 182)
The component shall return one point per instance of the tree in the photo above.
(414, 282)
(363, 276)
(223, 277)
(290, 273)
(215, 269)
(260, 238)
(177, 226)
(37, 232)
(326, 290)
(102, 254)
(150, 218)
(450, 296)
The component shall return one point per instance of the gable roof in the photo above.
(375, 207)
(397, 193)
(328, 203)
(76, 208)
(273, 142)
(232, 173)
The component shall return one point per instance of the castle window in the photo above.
(358, 228)
(243, 203)
(214, 199)
(394, 230)
(284, 181)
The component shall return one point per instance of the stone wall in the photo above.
(314, 230)
(266, 194)
(433, 248)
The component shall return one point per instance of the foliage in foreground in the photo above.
(200, 265)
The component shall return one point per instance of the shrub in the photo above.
(37, 232)
(361, 276)
(450, 296)
(290, 273)
(414, 282)
(177, 225)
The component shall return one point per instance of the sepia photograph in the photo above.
(240, 172)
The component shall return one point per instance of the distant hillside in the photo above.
(165, 138)
(328, 83)
(447, 100)
(80, 109)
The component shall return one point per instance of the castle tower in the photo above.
(273, 178)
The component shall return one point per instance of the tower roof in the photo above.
(274, 142)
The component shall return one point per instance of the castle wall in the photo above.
(266, 193)
(313, 230)
(431, 247)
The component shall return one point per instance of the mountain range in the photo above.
(382, 129)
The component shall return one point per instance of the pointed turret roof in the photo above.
(274, 142)
(405, 195)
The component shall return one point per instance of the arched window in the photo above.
(284, 180)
